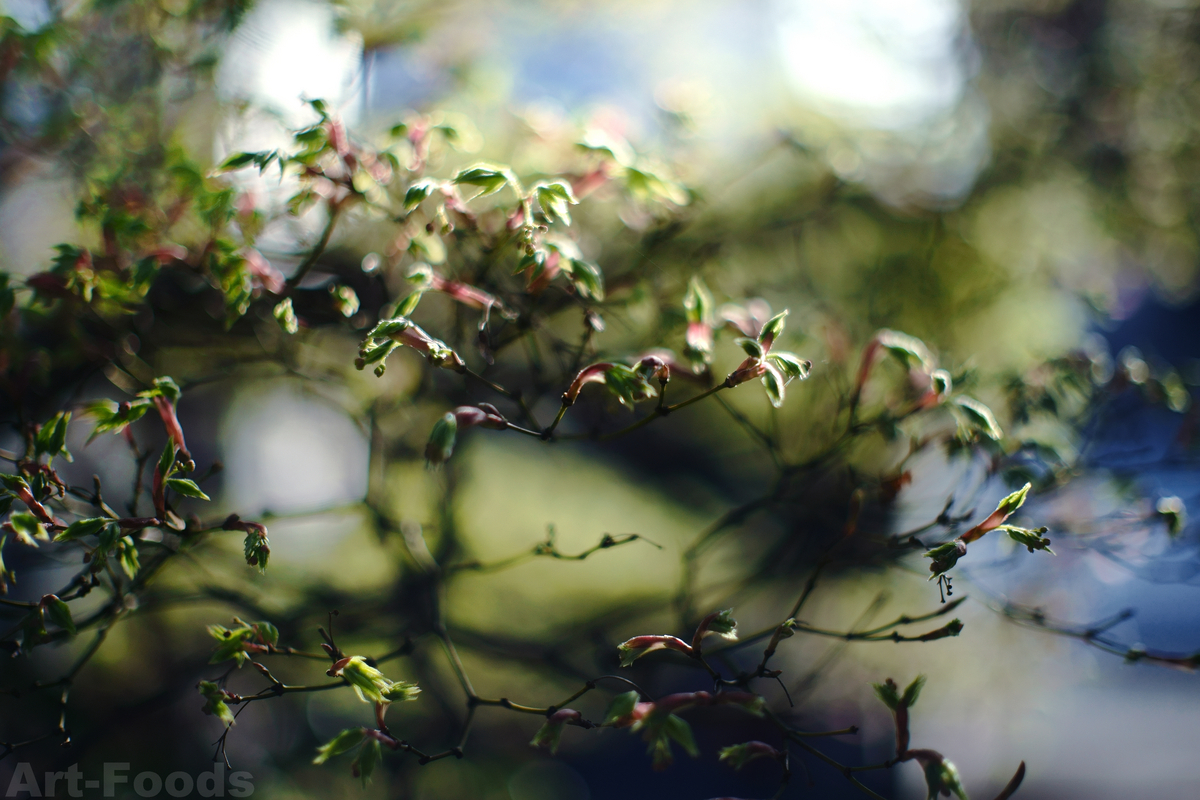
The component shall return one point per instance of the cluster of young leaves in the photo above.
(537, 214)
(659, 724)
(216, 701)
(246, 640)
(111, 540)
(106, 538)
(239, 642)
(637, 378)
(371, 686)
(628, 384)
(113, 417)
(137, 222)
(31, 487)
(391, 180)
(166, 214)
(775, 368)
(656, 720)
(941, 776)
(340, 174)
(944, 556)
(543, 252)
(392, 333)
(976, 422)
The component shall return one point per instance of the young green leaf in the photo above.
(1172, 511)
(187, 488)
(978, 417)
(28, 529)
(913, 691)
(111, 417)
(108, 537)
(548, 737)
(607, 144)
(345, 741)
(698, 302)
(6, 575)
(389, 327)
(417, 193)
(33, 629)
(945, 556)
(1031, 539)
(164, 386)
(751, 347)
(59, 613)
(369, 756)
(550, 734)
(1004, 509)
(232, 644)
(369, 683)
(628, 385)
(236, 161)
(301, 201)
(166, 461)
(910, 350)
(620, 708)
(489, 178)
(52, 437)
(887, 692)
(738, 755)
(721, 624)
(265, 632)
(215, 703)
(401, 692)
(409, 304)
(257, 549)
(774, 383)
(81, 528)
(261, 159)
(678, 729)
(556, 199)
(1010, 503)
(586, 277)
(793, 368)
(942, 778)
(772, 329)
(318, 105)
(127, 555)
(645, 185)
(535, 262)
